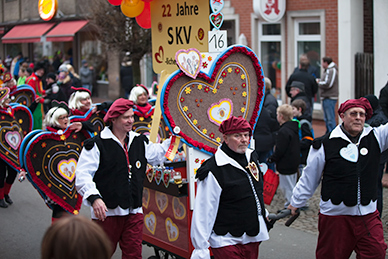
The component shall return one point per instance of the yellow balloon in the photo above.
(132, 8)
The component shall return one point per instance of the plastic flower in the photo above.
(237, 70)
(218, 139)
(242, 76)
(220, 81)
(187, 90)
(204, 131)
(182, 99)
(204, 64)
(199, 87)
(224, 74)
(242, 109)
(207, 89)
(230, 70)
(185, 108)
(244, 94)
(195, 122)
(214, 91)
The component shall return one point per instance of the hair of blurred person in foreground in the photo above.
(75, 237)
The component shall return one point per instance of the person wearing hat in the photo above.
(297, 92)
(35, 81)
(64, 80)
(229, 213)
(87, 75)
(110, 174)
(9, 82)
(346, 161)
(53, 91)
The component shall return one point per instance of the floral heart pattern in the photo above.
(51, 160)
(189, 61)
(234, 86)
(15, 123)
(216, 19)
(161, 201)
(150, 222)
(172, 230)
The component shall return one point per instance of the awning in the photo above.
(26, 33)
(65, 31)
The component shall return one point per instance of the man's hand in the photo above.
(99, 209)
(77, 126)
(293, 209)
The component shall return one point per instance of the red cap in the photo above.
(119, 107)
(362, 103)
(235, 125)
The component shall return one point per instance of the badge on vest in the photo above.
(364, 151)
(350, 152)
(254, 170)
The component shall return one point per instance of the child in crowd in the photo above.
(287, 151)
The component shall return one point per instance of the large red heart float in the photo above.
(15, 123)
(51, 159)
(194, 108)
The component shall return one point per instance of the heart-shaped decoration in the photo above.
(189, 61)
(166, 178)
(218, 112)
(236, 76)
(51, 159)
(24, 94)
(96, 119)
(217, 5)
(216, 19)
(263, 167)
(67, 168)
(158, 175)
(253, 170)
(161, 201)
(350, 152)
(15, 123)
(13, 139)
(150, 222)
(159, 56)
(150, 173)
(146, 197)
(172, 230)
(178, 208)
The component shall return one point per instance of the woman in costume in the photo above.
(139, 95)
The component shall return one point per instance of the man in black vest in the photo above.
(229, 208)
(110, 174)
(346, 161)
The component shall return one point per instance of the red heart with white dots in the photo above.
(194, 108)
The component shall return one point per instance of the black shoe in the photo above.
(3, 204)
(8, 199)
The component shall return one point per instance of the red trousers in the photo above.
(339, 236)
(247, 251)
(125, 230)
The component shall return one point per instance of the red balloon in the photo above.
(115, 2)
(144, 19)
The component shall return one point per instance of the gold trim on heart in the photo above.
(218, 112)
(66, 168)
(146, 197)
(178, 208)
(150, 222)
(13, 139)
(161, 201)
(172, 230)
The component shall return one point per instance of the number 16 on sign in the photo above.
(217, 41)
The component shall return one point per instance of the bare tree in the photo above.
(118, 32)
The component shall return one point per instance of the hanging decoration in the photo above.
(132, 8)
(139, 9)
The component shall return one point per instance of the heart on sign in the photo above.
(233, 86)
(67, 169)
(15, 123)
(172, 230)
(218, 112)
(51, 160)
(216, 20)
(161, 201)
(189, 61)
(217, 5)
(159, 56)
(13, 139)
(178, 208)
(350, 152)
(150, 222)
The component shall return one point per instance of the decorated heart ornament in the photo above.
(15, 123)
(263, 167)
(172, 230)
(161, 201)
(189, 61)
(217, 5)
(150, 173)
(234, 86)
(146, 197)
(96, 120)
(350, 152)
(178, 209)
(216, 19)
(158, 175)
(150, 222)
(166, 178)
(51, 160)
(24, 94)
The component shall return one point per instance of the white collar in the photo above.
(107, 133)
(223, 159)
(338, 133)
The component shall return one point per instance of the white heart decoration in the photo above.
(189, 61)
(350, 152)
(218, 112)
(217, 5)
(263, 168)
(13, 139)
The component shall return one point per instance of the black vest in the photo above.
(341, 177)
(237, 211)
(112, 178)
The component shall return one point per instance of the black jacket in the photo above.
(267, 125)
(287, 151)
(307, 112)
(306, 138)
(310, 85)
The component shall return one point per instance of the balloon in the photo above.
(115, 2)
(147, 1)
(132, 8)
(144, 19)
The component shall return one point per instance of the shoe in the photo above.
(7, 199)
(3, 204)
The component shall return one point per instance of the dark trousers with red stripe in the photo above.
(339, 236)
(125, 230)
(247, 251)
